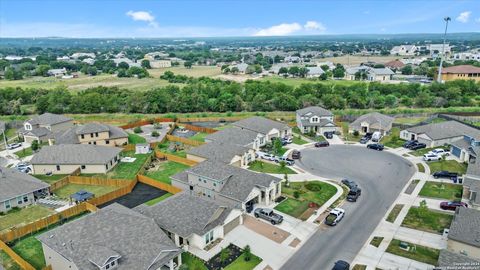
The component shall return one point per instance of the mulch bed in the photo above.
(216, 264)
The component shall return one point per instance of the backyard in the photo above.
(134, 139)
(299, 195)
(128, 170)
(30, 249)
(171, 148)
(69, 189)
(19, 216)
(447, 165)
(166, 169)
(50, 178)
(416, 252)
(427, 220)
(199, 136)
(264, 167)
(448, 191)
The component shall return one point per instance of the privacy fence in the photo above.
(175, 158)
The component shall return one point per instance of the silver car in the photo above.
(268, 215)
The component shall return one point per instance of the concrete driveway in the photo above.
(381, 175)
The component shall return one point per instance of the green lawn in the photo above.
(409, 120)
(50, 179)
(392, 216)
(199, 136)
(241, 264)
(128, 170)
(420, 167)
(423, 151)
(376, 241)
(30, 249)
(393, 138)
(167, 169)
(164, 147)
(25, 215)
(67, 190)
(260, 166)
(448, 191)
(448, 165)
(159, 199)
(193, 262)
(312, 191)
(430, 221)
(135, 138)
(418, 253)
(24, 152)
(298, 140)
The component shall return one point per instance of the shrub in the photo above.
(224, 254)
(248, 253)
(314, 187)
(296, 194)
(138, 130)
(356, 133)
(155, 133)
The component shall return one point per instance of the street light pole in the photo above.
(439, 77)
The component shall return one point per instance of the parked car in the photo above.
(432, 157)
(452, 205)
(377, 135)
(368, 135)
(335, 216)
(410, 143)
(288, 161)
(364, 140)
(296, 154)
(439, 152)
(21, 165)
(268, 215)
(322, 144)
(349, 183)
(287, 140)
(249, 206)
(445, 174)
(267, 156)
(13, 146)
(341, 265)
(354, 193)
(375, 146)
(328, 135)
(417, 146)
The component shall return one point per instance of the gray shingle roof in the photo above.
(92, 128)
(464, 227)
(70, 136)
(219, 151)
(37, 132)
(445, 130)
(113, 230)
(474, 185)
(14, 183)
(450, 259)
(260, 124)
(315, 71)
(323, 122)
(314, 110)
(233, 135)
(48, 119)
(381, 71)
(185, 214)
(373, 118)
(75, 154)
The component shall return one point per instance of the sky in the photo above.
(219, 18)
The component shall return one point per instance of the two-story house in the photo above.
(91, 133)
(225, 152)
(42, 126)
(228, 184)
(315, 119)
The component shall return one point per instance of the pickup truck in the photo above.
(287, 161)
(445, 174)
(334, 216)
(268, 215)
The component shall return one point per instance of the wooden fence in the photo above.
(154, 183)
(82, 180)
(184, 140)
(147, 122)
(19, 260)
(211, 119)
(113, 194)
(199, 129)
(128, 147)
(175, 158)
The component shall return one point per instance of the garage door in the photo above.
(425, 141)
(231, 225)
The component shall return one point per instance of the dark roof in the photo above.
(450, 259)
(445, 130)
(373, 118)
(474, 185)
(235, 135)
(37, 132)
(14, 183)
(461, 69)
(48, 119)
(75, 154)
(219, 151)
(81, 195)
(112, 231)
(465, 226)
(260, 124)
(92, 128)
(185, 214)
(314, 110)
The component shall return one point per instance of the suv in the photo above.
(452, 205)
(410, 143)
(335, 216)
(267, 157)
(445, 174)
(341, 265)
(439, 152)
(364, 139)
(417, 146)
(375, 146)
(296, 154)
(13, 146)
(287, 140)
(349, 183)
(288, 161)
(322, 144)
(430, 157)
(354, 193)
(268, 215)
(328, 135)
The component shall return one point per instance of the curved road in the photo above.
(380, 175)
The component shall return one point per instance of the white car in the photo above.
(439, 152)
(431, 157)
(266, 156)
(13, 146)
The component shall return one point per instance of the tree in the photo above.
(137, 130)
(123, 65)
(42, 70)
(188, 64)
(407, 70)
(283, 71)
(155, 134)
(277, 146)
(339, 71)
(423, 208)
(92, 71)
(234, 70)
(325, 67)
(122, 73)
(146, 64)
(287, 182)
(247, 253)
(35, 145)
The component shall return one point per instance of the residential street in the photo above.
(381, 176)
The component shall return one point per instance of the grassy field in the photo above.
(50, 179)
(260, 166)
(134, 138)
(419, 253)
(164, 147)
(423, 151)
(292, 207)
(199, 136)
(24, 152)
(128, 170)
(392, 216)
(30, 249)
(393, 139)
(438, 190)
(298, 140)
(430, 221)
(193, 262)
(357, 59)
(25, 215)
(67, 190)
(159, 199)
(167, 169)
(241, 264)
(447, 165)
(409, 120)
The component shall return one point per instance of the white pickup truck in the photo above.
(335, 216)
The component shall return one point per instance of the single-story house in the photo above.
(315, 119)
(471, 184)
(42, 126)
(372, 122)
(438, 134)
(464, 234)
(461, 72)
(269, 128)
(314, 72)
(192, 221)
(235, 135)
(395, 65)
(66, 158)
(227, 153)
(449, 259)
(19, 189)
(228, 184)
(380, 74)
(91, 133)
(114, 237)
(57, 72)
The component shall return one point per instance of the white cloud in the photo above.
(286, 29)
(477, 20)
(143, 16)
(464, 16)
(313, 25)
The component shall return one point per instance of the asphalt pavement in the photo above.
(380, 175)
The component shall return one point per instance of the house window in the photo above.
(95, 143)
(107, 142)
(25, 199)
(208, 237)
(19, 200)
(106, 166)
(96, 134)
(112, 263)
(91, 135)
(82, 136)
(108, 266)
(7, 205)
(83, 167)
(58, 167)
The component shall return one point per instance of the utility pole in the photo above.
(439, 77)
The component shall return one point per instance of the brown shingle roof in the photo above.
(462, 69)
(395, 64)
